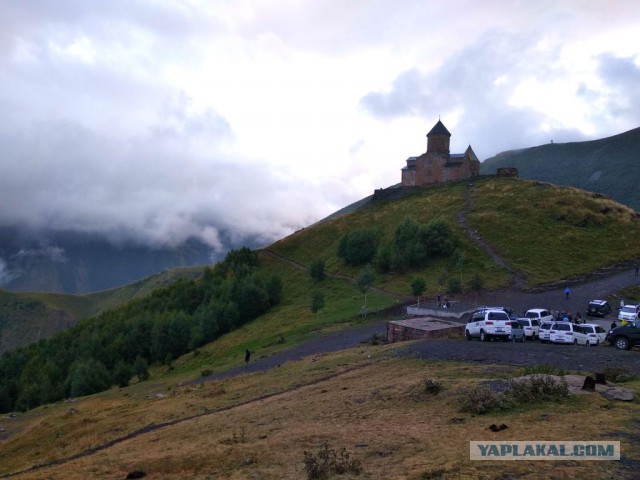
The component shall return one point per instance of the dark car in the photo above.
(625, 337)
(598, 308)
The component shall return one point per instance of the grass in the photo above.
(549, 232)
(364, 400)
(442, 201)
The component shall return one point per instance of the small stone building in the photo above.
(437, 165)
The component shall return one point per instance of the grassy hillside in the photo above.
(547, 232)
(443, 201)
(29, 317)
(365, 400)
(609, 166)
(550, 232)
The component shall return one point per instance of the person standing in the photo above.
(247, 356)
(567, 291)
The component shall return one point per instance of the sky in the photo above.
(156, 121)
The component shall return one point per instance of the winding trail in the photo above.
(519, 280)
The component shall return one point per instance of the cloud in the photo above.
(6, 275)
(51, 253)
(478, 92)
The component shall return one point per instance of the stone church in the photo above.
(437, 165)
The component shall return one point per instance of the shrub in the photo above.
(317, 270)
(206, 372)
(418, 286)
(358, 247)
(432, 387)
(454, 286)
(481, 399)
(537, 388)
(328, 462)
(477, 282)
(618, 374)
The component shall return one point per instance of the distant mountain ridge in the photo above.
(610, 166)
(72, 262)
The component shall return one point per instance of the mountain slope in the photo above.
(610, 166)
(29, 317)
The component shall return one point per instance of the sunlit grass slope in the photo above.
(550, 232)
(443, 201)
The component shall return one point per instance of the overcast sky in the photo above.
(160, 120)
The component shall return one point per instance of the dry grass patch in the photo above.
(379, 412)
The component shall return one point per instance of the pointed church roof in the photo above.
(439, 129)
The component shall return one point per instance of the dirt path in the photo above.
(519, 280)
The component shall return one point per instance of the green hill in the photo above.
(29, 317)
(610, 166)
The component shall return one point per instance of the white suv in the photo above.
(540, 314)
(566, 332)
(531, 327)
(488, 324)
(629, 313)
(595, 333)
(544, 332)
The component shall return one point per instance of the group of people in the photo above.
(567, 317)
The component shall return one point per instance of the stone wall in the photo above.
(507, 172)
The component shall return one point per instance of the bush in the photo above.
(317, 270)
(454, 286)
(418, 286)
(618, 374)
(328, 462)
(537, 388)
(480, 399)
(358, 247)
(432, 387)
(477, 282)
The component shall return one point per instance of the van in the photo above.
(629, 313)
(540, 314)
(566, 332)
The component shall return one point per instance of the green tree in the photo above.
(122, 373)
(317, 300)
(439, 238)
(317, 270)
(141, 368)
(418, 286)
(454, 286)
(477, 282)
(364, 281)
(358, 247)
(86, 377)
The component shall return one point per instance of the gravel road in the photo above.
(530, 353)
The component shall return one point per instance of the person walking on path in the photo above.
(637, 270)
(247, 356)
(567, 291)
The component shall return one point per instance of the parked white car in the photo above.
(595, 333)
(567, 332)
(531, 327)
(544, 332)
(629, 313)
(488, 324)
(540, 314)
